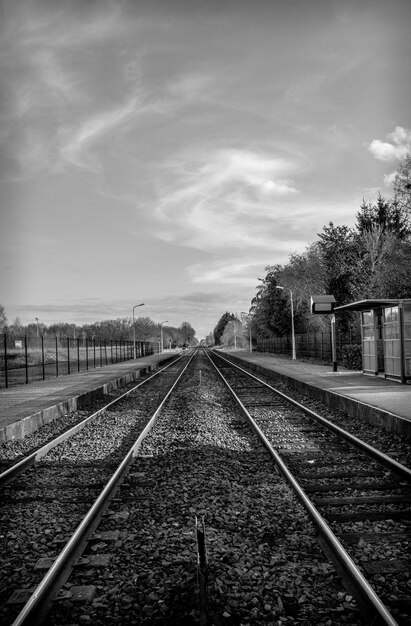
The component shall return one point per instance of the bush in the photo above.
(351, 356)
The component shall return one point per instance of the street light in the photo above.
(161, 335)
(249, 327)
(134, 330)
(292, 320)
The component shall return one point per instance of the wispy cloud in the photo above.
(217, 202)
(54, 77)
(397, 146)
(75, 143)
(192, 87)
(229, 271)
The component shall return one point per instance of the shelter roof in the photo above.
(366, 305)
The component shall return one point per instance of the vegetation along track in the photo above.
(359, 494)
(48, 492)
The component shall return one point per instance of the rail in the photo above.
(369, 601)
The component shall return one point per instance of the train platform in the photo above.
(375, 399)
(24, 408)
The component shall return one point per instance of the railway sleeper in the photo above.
(360, 516)
(392, 566)
(314, 488)
(76, 593)
(93, 560)
(355, 500)
(377, 537)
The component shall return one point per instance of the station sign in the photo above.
(322, 305)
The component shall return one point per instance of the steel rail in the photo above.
(37, 606)
(12, 472)
(392, 464)
(369, 601)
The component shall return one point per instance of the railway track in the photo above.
(48, 494)
(137, 563)
(358, 497)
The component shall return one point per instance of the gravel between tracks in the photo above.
(265, 566)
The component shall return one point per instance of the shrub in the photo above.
(351, 356)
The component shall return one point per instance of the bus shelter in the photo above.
(385, 336)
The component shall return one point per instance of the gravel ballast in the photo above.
(264, 563)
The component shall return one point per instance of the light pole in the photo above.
(292, 319)
(134, 330)
(161, 335)
(248, 315)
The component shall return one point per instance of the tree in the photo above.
(387, 215)
(271, 307)
(209, 340)
(233, 334)
(402, 184)
(188, 333)
(221, 324)
(145, 328)
(394, 279)
(339, 257)
(16, 329)
(3, 319)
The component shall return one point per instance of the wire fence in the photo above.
(27, 359)
(317, 346)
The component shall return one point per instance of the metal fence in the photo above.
(26, 359)
(308, 345)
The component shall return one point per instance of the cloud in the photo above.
(397, 147)
(232, 271)
(389, 179)
(75, 143)
(192, 86)
(224, 200)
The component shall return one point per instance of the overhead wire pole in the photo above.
(134, 330)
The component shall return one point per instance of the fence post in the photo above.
(57, 358)
(78, 354)
(68, 355)
(111, 351)
(105, 350)
(333, 343)
(6, 379)
(42, 358)
(94, 352)
(26, 359)
(86, 353)
(101, 362)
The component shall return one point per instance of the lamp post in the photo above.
(134, 330)
(248, 315)
(292, 320)
(161, 335)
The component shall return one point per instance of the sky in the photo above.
(166, 152)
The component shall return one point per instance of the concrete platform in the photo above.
(24, 408)
(374, 399)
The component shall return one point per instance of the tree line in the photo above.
(370, 260)
(120, 329)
